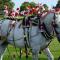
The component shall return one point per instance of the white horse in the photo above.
(37, 40)
(46, 50)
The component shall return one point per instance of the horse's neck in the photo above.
(48, 22)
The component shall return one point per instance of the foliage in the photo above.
(9, 3)
(45, 6)
(58, 4)
(54, 47)
(32, 4)
(25, 4)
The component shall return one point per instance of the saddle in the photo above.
(33, 20)
(39, 21)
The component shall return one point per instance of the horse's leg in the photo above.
(35, 54)
(48, 53)
(2, 49)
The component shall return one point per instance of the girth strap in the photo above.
(26, 25)
(26, 44)
(45, 32)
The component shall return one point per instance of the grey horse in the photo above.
(37, 41)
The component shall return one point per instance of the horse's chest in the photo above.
(19, 32)
(34, 31)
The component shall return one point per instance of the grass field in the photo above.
(54, 47)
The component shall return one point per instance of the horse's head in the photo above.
(57, 23)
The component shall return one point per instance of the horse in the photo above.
(37, 40)
(9, 22)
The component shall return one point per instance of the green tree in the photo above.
(32, 4)
(45, 6)
(9, 3)
(25, 4)
(58, 4)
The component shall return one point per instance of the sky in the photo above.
(50, 3)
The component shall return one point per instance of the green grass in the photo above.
(54, 47)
